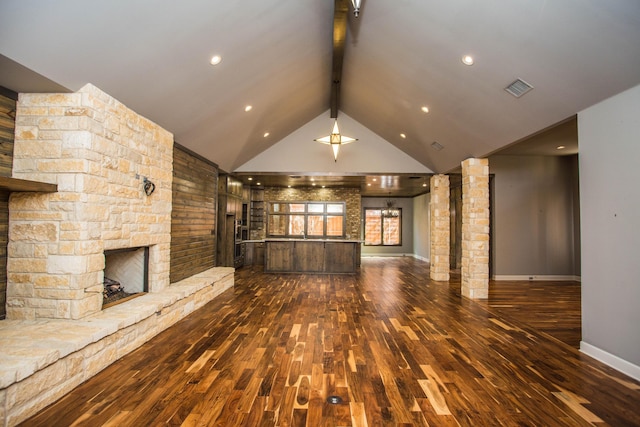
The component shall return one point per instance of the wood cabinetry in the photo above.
(256, 214)
(311, 256)
(340, 257)
(279, 256)
(254, 253)
(230, 251)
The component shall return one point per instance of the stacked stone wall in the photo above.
(351, 196)
(98, 152)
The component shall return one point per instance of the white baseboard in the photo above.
(421, 258)
(548, 278)
(384, 255)
(614, 361)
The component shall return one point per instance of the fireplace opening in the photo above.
(126, 274)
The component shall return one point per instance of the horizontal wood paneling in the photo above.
(4, 234)
(7, 131)
(193, 216)
(7, 128)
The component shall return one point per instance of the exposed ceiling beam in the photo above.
(340, 13)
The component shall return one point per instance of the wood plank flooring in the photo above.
(396, 348)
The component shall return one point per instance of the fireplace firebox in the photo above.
(126, 274)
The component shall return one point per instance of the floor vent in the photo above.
(518, 88)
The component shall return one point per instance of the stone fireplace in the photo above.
(102, 157)
(100, 154)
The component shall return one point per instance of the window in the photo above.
(382, 226)
(314, 220)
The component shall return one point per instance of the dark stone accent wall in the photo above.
(349, 195)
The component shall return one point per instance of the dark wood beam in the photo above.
(14, 184)
(340, 13)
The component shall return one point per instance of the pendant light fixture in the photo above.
(335, 140)
(356, 7)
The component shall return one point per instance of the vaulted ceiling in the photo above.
(400, 56)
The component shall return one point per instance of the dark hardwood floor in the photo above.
(396, 348)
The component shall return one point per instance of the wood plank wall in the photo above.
(7, 129)
(193, 216)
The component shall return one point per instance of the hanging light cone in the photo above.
(356, 7)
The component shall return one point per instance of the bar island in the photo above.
(326, 256)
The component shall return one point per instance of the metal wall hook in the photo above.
(149, 187)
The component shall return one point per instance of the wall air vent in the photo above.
(518, 88)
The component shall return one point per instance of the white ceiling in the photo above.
(153, 55)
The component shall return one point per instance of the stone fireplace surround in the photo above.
(98, 152)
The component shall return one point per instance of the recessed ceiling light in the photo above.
(215, 59)
(375, 179)
(425, 109)
(368, 184)
(250, 179)
(257, 183)
(313, 184)
(266, 134)
(323, 186)
(560, 147)
(403, 136)
(467, 60)
(424, 184)
(248, 108)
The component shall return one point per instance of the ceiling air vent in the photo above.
(518, 88)
(436, 146)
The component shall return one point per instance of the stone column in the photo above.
(475, 228)
(440, 228)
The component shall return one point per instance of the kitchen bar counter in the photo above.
(312, 256)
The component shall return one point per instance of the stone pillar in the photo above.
(475, 228)
(440, 228)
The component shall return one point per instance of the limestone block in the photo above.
(49, 99)
(33, 232)
(20, 290)
(62, 165)
(29, 201)
(48, 281)
(65, 248)
(26, 133)
(82, 281)
(23, 250)
(56, 294)
(76, 139)
(91, 304)
(66, 264)
(94, 363)
(26, 265)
